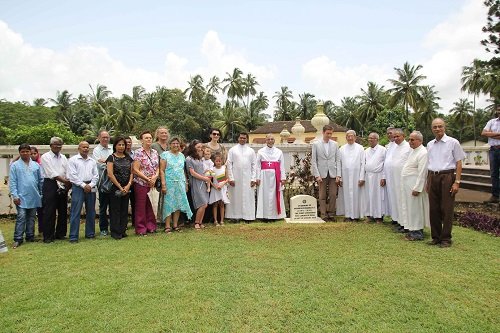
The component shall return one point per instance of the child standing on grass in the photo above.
(208, 165)
(218, 197)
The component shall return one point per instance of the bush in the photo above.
(41, 134)
(481, 222)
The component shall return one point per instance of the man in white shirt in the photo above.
(100, 153)
(270, 179)
(352, 160)
(492, 132)
(55, 192)
(240, 165)
(445, 158)
(374, 189)
(414, 198)
(325, 167)
(394, 161)
(82, 173)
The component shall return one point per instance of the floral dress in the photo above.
(148, 164)
(175, 180)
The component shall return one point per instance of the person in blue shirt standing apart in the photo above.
(25, 184)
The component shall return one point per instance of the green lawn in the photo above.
(345, 277)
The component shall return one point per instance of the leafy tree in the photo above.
(41, 134)
(492, 27)
(249, 84)
(13, 114)
(39, 102)
(395, 117)
(63, 102)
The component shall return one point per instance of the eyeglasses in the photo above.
(215, 134)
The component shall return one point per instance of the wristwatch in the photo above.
(457, 181)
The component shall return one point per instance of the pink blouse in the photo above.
(148, 164)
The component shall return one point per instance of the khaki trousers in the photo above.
(327, 203)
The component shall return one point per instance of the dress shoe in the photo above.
(433, 242)
(445, 244)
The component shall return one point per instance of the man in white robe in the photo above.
(352, 160)
(240, 166)
(414, 198)
(374, 189)
(389, 148)
(393, 165)
(270, 180)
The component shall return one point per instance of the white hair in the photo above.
(375, 135)
(350, 132)
(418, 134)
(56, 140)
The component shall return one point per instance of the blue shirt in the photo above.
(25, 183)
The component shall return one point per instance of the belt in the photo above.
(442, 172)
(87, 181)
(495, 147)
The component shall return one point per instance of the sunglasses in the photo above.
(216, 134)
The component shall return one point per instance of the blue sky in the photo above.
(328, 48)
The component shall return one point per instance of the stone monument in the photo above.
(303, 209)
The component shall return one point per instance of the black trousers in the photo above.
(118, 215)
(55, 202)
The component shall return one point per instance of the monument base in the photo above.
(311, 220)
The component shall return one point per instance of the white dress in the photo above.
(394, 162)
(215, 194)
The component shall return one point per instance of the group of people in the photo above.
(179, 181)
(413, 184)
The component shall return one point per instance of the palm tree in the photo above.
(284, 106)
(371, 102)
(262, 100)
(406, 87)
(63, 101)
(427, 110)
(473, 81)
(39, 102)
(100, 97)
(347, 114)
(462, 113)
(213, 86)
(234, 84)
(307, 105)
(196, 88)
(150, 104)
(230, 122)
(125, 115)
(248, 84)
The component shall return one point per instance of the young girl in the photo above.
(208, 165)
(219, 196)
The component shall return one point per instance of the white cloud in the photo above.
(454, 42)
(329, 81)
(27, 72)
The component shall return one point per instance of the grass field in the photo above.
(334, 277)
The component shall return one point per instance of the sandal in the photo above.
(197, 226)
(168, 230)
(177, 229)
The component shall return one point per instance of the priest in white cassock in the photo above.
(270, 180)
(374, 190)
(240, 167)
(389, 147)
(393, 165)
(414, 198)
(352, 160)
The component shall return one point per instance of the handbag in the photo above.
(105, 184)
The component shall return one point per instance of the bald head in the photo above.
(269, 140)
